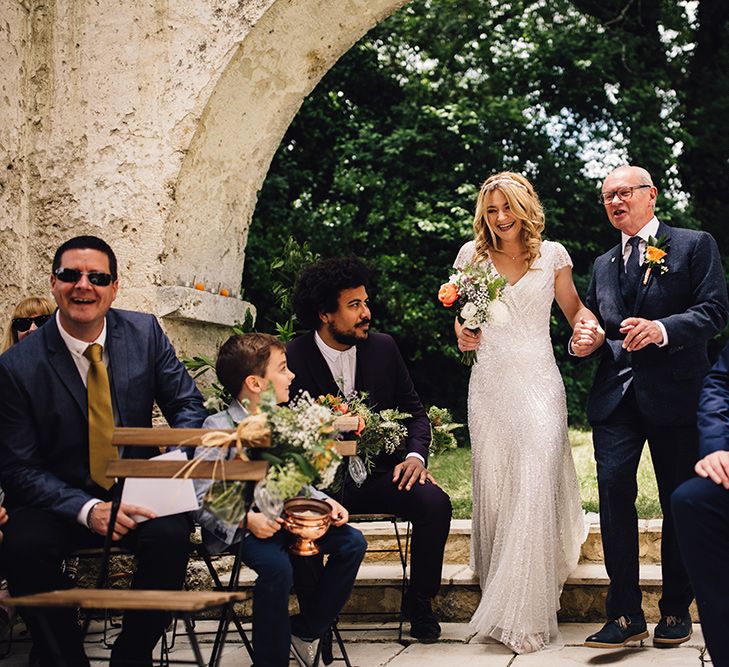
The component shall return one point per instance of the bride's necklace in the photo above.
(513, 257)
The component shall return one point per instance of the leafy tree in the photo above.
(385, 158)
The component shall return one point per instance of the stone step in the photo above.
(377, 591)
(381, 535)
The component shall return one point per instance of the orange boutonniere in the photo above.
(656, 251)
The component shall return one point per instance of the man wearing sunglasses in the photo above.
(660, 296)
(89, 368)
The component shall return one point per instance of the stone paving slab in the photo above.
(629, 657)
(458, 646)
(463, 655)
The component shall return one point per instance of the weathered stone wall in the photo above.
(14, 227)
(152, 123)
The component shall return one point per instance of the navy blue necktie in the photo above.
(631, 277)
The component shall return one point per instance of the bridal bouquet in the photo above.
(478, 289)
(384, 432)
(301, 451)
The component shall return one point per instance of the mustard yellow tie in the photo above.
(101, 417)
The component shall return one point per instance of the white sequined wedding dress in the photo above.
(528, 523)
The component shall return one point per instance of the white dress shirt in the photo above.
(342, 364)
(648, 230)
(77, 348)
(343, 367)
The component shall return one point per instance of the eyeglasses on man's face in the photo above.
(623, 193)
(23, 324)
(96, 278)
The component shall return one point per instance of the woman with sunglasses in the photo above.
(30, 314)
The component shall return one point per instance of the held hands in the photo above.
(715, 466)
(587, 336)
(639, 333)
(261, 526)
(408, 472)
(340, 515)
(99, 515)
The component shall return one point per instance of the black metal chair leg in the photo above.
(219, 586)
(193, 639)
(340, 643)
(217, 652)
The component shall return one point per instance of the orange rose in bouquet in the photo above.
(448, 294)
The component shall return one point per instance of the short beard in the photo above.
(341, 337)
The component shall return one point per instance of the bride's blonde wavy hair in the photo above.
(524, 204)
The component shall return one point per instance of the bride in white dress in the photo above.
(528, 523)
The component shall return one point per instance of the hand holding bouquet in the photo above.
(478, 290)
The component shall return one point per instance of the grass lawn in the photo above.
(453, 472)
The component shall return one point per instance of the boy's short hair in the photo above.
(244, 355)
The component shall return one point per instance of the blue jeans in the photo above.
(321, 605)
(270, 560)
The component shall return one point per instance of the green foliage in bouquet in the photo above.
(226, 501)
(302, 451)
(385, 431)
(442, 427)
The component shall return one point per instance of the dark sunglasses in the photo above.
(22, 324)
(97, 278)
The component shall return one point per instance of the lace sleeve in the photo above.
(561, 257)
(465, 254)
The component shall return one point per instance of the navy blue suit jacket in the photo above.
(44, 460)
(691, 302)
(713, 415)
(381, 372)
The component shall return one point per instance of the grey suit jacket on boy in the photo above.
(218, 535)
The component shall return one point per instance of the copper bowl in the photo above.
(308, 519)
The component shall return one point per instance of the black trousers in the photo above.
(426, 506)
(37, 541)
(618, 444)
(701, 513)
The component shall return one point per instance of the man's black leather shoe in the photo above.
(618, 632)
(423, 625)
(672, 631)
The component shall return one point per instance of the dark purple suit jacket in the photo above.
(381, 372)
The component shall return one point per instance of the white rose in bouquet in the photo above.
(498, 313)
(468, 311)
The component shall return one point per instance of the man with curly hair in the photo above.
(339, 355)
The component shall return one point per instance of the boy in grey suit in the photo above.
(246, 366)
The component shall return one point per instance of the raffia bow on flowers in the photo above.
(384, 431)
(654, 256)
(297, 441)
(478, 290)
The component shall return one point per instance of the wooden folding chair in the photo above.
(184, 603)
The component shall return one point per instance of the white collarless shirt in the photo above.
(341, 363)
(343, 367)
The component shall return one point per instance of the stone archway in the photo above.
(275, 67)
(153, 124)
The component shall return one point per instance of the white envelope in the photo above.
(161, 496)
